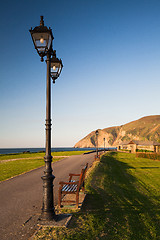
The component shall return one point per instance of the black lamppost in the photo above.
(42, 38)
(96, 143)
(104, 144)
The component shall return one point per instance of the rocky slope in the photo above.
(145, 129)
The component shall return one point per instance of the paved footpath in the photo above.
(21, 197)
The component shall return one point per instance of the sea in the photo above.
(32, 150)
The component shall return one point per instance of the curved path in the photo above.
(21, 197)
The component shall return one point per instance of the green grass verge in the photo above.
(68, 153)
(123, 202)
(20, 155)
(35, 155)
(14, 168)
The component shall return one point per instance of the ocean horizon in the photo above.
(32, 150)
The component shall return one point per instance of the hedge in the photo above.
(154, 156)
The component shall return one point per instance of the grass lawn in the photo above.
(13, 168)
(123, 202)
(40, 155)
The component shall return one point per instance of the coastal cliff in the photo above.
(145, 129)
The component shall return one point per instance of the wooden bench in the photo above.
(97, 157)
(72, 187)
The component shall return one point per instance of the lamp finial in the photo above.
(42, 21)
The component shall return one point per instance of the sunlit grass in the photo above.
(68, 153)
(20, 155)
(14, 168)
(123, 202)
(26, 162)
(38, 155)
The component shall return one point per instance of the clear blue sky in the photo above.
(111, 55)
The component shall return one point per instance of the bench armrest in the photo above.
(73, 174)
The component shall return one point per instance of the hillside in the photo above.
(145, 129)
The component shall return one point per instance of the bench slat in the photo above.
(69, 188)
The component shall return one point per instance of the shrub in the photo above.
(143, 150)
(154, 156)
(125, 150)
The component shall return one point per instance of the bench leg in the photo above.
(59, 198)
(77, 199)
(83, 187)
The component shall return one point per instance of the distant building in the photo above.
(133, 145)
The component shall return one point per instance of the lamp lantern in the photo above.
(56, 66)
(42, 38)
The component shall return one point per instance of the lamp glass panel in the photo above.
(42, 41)
(55, 69)
(56, 64)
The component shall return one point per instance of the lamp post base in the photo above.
(48, 211)
(48, 216)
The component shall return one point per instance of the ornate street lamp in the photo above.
(96, 143)
(42, 38)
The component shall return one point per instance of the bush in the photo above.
(143, 150)
(125, 150)
(154, 156)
